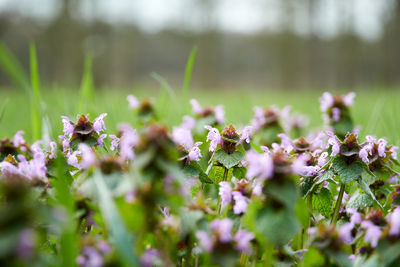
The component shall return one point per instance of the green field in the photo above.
(375, 110)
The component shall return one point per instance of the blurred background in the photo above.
(288, 44)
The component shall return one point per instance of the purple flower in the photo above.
(33, 169)
(225, 192)
(53, 150)
(129, 139)
(393, 149)
(345, 233)
(133, 101)
(300, 167)
(372, 234)
(90, 258)
(65, 143)
(188, 122)
(100, 140)
(348, 99)
(223, 229)
(242, 239)
(204, 240)
(287, 143)
(194, 152)
(19, 140)
(9, 170)
(219, 114)
(363, 154)
(26, 244)
(322, 159)
(73, 159)
(259, 165)
(68, 125)
(98, 123)
(213, 136)
(240, 202)
(382, 147)
(334, 142)
(104, 247)
(182, 137)
(259, 119)
(88, 158)
(114, 142)
(355, 216)
(246, 134)
(335, 114)
(326, 101)
(150, 258)
(394, 221)
(196, 108)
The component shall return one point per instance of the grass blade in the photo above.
(36, 99)
(3, 109)
(87, 88)
(188, 72)
(13, 69)
(119, 235)
(65, 199)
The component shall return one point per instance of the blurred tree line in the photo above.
(125, 55)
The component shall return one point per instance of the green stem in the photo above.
(338, 204)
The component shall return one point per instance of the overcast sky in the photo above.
(239, 16)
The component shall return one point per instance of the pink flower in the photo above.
(334, 142)
(188, 122)
(98, 123)
(246, 134)
(348, 99)
(100, 140)
(225, 192)
(219, 114)
(223, 229)
(259, 165)
(68, 125)
(213, 136)
(194, 152)
(382, 147)
(335, 114)
(73, 159)
(18, 139)
(9, 170)
(240, 202)
(326, 101)
(88, 158)
(287, 143)
(204, 240)
(53, 150)
(196, 108)
(394, 221)
(133, 101)
(372, 234)
(114, 142)
(345, 233)
(259, 119)
(393, 149)
(363, 154)
(182, 137)
(33, 169)
(129, 139)
(300, 166)
(242, 239)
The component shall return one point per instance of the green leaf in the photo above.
(239, 172)
(326, 176)
(302, 212)
(195, 171)
(322, 202)
(347, 173)
(388, 251)
(189, 219)
(285, 192)
(313, 258)
(359, 201)
(367, 190)
(122, 240)
(228, 160)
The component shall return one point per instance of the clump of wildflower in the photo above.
(377, 150)
(218, 112)
(228, 139)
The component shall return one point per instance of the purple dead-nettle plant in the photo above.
(182, 136)
(377, 150)
(295, 122)
(218, 112)
(228, 139)
(266, 117)
(222, 238)
(239, 196)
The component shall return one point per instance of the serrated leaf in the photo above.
(284, 192)
(228, 160)
(322, 202)
(359, 201)
(367, 190)
(326, 176)
(347, 172)
(191, 171)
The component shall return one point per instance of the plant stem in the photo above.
(338, 204)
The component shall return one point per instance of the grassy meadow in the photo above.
(375, 110)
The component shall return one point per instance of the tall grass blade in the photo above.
(119, 235)
(87, 88)
(13, 69)
(64, 198)
(188, 72)
(36, 99)
(3, 109)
